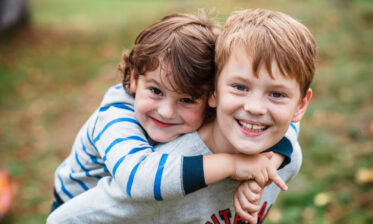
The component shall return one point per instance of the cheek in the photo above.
(194, 118)
(139, 113)
(282, 116)
(143, 106)
(228, 107)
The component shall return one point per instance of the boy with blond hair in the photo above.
(167, 77)
(265, 65)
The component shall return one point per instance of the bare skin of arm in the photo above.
(261, 167)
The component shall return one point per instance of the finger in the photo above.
(252, 198)
(238, 208)
(260, 179)
(254, 187)
(267, 154)
(236, 202)
(248, 202)
(254, 218)
(249, 207)
(265, 177)
(268, 182)
(273, 175)
(250, 217)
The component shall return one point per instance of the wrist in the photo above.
(230, 160)
(218, 167)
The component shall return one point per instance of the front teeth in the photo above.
(252, 127)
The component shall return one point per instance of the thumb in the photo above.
(268, 154)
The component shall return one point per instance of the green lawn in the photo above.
(54, 74)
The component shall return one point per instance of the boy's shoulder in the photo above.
(189, 144)
(290, 170)
(117, 95)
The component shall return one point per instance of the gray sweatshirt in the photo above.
(113, 143)
(106, 203)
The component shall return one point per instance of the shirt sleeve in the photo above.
(286, 145)
(193, 175)
(139, 170)
(104, 203)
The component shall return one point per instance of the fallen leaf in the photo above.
(363, 176)
(322, 199)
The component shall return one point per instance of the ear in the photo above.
(212, 100)
(133, 82)
(302, 107)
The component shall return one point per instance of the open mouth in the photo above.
(252, 127)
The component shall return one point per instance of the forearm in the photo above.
(112, 142)
(143, 172)
(236, 166)
(139, 170)
(121, 143)
(217, 167)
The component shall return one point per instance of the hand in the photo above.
(246, 200)
(256, 167)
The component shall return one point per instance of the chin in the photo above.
(162, 139)
(250, 150)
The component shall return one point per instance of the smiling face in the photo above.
(254, 113)
(162, 112)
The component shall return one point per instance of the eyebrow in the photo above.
(152, 80)
(281, 86)
(238, 76)
(162, 84)
(243, 78)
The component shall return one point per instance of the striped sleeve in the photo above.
(112, 142)
(286, 145)
(139, 171)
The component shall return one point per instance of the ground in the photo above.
(54, 73)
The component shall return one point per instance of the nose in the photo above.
(255, 105)
(167, 110)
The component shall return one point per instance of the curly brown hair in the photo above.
(183, 45)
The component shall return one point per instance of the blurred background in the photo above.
(59, 57)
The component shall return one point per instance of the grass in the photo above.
(53, 75)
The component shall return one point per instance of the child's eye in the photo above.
(240, 87)
(156, 91)
(187, 100)
(277, 95)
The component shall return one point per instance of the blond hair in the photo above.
(267, 37)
